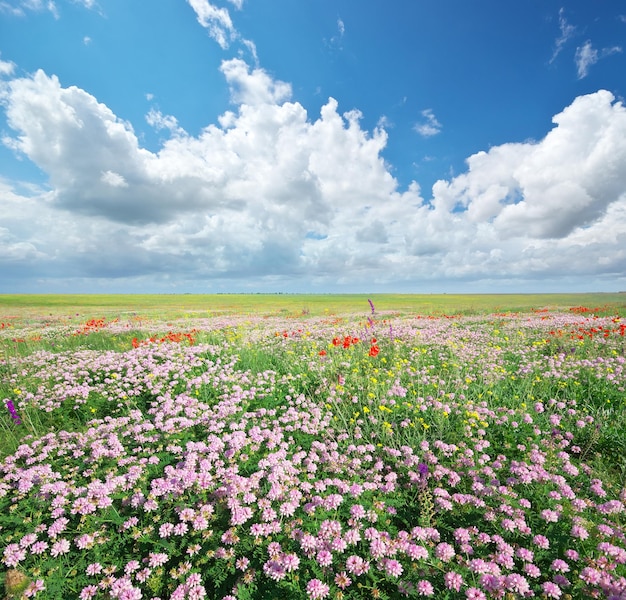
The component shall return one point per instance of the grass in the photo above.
(415, 443)
(187, 305)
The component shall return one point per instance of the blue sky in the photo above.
(312, 146)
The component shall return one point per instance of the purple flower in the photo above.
(453, 581)
(13, 412)
(316, 589)
(371, 306)
(560, 566)
(444, 551)
(425, 588)
(551, 590)
(393, 568)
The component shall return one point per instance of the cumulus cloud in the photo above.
(271, 194)
(430, 125)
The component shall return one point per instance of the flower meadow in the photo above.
(345, 457)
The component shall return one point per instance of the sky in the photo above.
(312, 146)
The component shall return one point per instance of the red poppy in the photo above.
(374, 350)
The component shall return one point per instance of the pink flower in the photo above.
(560, 566)
(34, 588)
(88, 592)
(93, 569)
(356, 565)
(590, 576)
(357, 511)
(416, 552)
(156, 559)
(316, 589)
(242, 563)
(474, 594)
(550, 516)
(324, 558)
(291, 562)
(551, 590)
(453, 581)
(13, 554)
(342, 580)
(425, 588)
(60, 547)
(444, 551)
(517, 583)
(393, 568)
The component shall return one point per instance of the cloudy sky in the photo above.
(312, 146)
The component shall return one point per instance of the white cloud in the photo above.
(587, 56)
(6, 67)
(336, 40)
(567, 32)
(270, 194)
(21, 7)
(430, 126)
(113, 179)
(253, 87)
(216, 20)
(341, 27)
(160, 122)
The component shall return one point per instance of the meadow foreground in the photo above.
(372, 456)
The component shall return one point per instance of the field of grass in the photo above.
(310, 447)
(176, 305)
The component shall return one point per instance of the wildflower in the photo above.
(93, 569)
(550, 516)
(316, 589)
(444, 552)
(590, 576)
(532, 570)
(274, 570)
(551, 590)
(13, 554)
(356, 565)
(60, 547)
(88, 592)
(517, 584)
(560, 566)
(453, 581)
(342, 580)
(156, 559)
(291, 562)
(39, 547)
(324, 558)
(541, 541)
(13, 412)
(474, 594)
(393, 568)
(425, 588)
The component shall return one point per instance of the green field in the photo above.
(174, 305)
